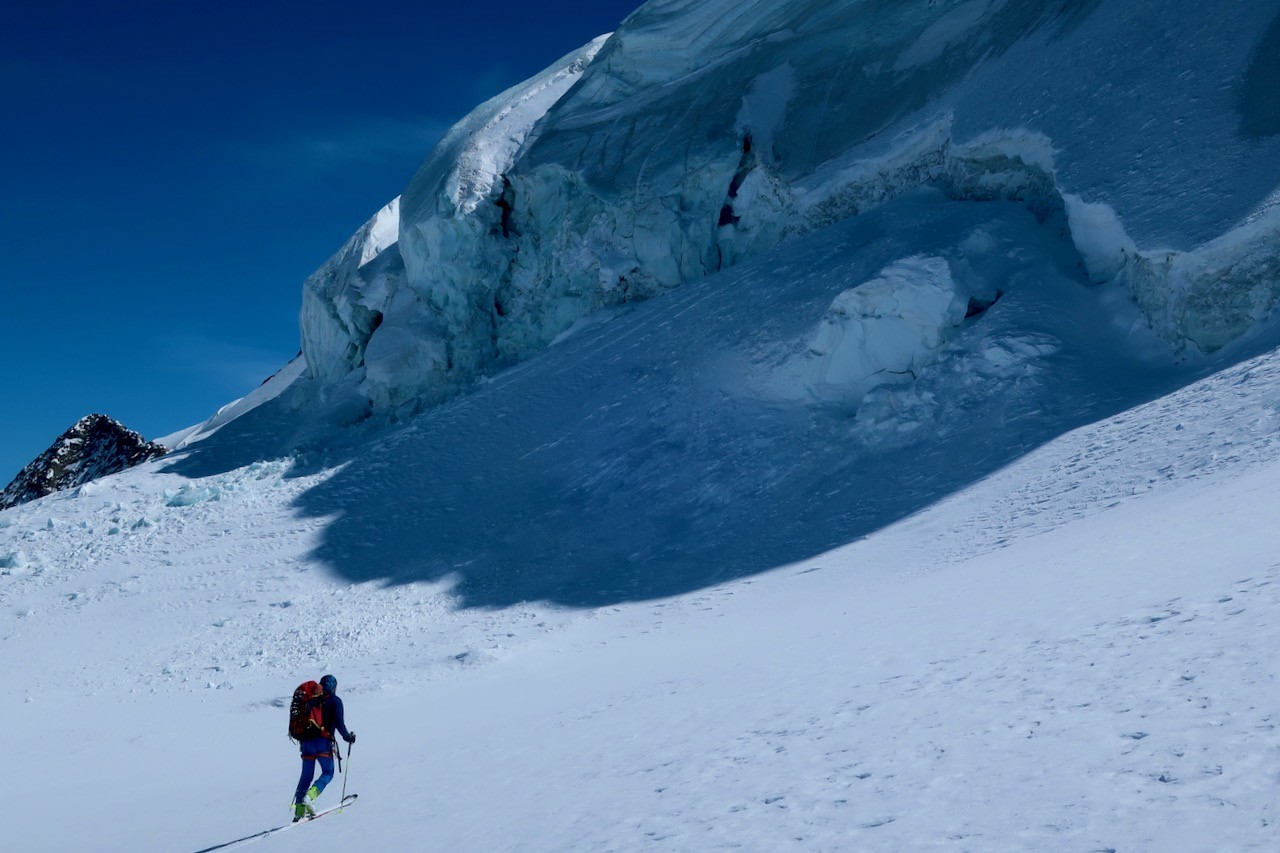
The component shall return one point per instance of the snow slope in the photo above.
(926, 504)
(625, 597)
(1064, 656)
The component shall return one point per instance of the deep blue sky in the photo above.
(173, 171)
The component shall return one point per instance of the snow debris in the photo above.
(190, 495)
(13, 560)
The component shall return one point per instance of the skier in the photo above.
(321, 749)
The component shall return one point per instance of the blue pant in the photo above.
(315, 750)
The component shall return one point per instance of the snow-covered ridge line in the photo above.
(272, 387)
(494, 147)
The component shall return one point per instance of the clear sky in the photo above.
(173, 171)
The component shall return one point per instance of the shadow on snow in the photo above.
(631, 461)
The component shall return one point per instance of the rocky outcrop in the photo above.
(95, 447)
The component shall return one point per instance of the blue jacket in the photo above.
(334, 722)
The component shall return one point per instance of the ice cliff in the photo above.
(706, 131)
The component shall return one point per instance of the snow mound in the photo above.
(882, 331)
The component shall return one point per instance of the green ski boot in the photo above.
(301, 810)
(313, 793)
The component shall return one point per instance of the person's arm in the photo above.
(339, 722)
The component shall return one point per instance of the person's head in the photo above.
(329, 684)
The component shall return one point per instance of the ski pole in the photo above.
(350, 747)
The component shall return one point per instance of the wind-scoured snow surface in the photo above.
(924, 501)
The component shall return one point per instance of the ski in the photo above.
(227, 845)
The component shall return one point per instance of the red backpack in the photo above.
(306, 716)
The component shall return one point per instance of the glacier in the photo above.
(791, 426)
(703, 133)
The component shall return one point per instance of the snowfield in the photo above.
(816, 426)
(1064, 656)
(1063, 643)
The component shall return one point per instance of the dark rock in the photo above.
(95, 447)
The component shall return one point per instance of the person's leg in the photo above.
(304, 782)
(326, 774)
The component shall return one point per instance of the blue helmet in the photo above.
(329, 683)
